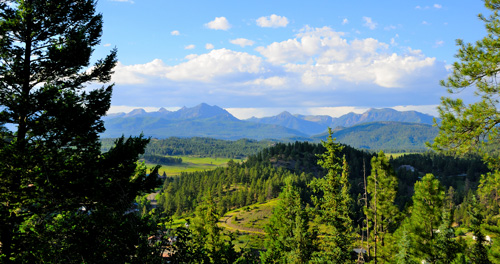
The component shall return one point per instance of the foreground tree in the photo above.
(61, 199)
(474, 127)
(289, 237)
(334, 205)
(426, 217)
(382, 212)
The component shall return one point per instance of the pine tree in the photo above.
(426, 216)
(478, 252)
(382, 212)
(61, 199)
(216, 245)
(473, 128)
(289, 237)
(334, 205)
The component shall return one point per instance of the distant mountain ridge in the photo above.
(204, 120)
(318, 124)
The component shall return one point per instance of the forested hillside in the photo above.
(263, 177)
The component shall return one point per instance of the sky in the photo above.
(259, 58)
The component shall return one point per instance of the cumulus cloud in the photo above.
(319, 56)
(345, 21)
(273, 21)
(369, 23)
(316, 67)
(219, 23)
(209, 46)
(190, 47)
(138, 73)
(215, 65)
(437, 6)
(242, 42)
(175, 33)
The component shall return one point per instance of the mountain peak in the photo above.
(163, 110)
(136, 112)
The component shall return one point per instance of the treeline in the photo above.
(161, 160)
(205, 147)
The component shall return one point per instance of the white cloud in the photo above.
(242, 42)
(425, 23)
(369, 23)
(317, 67)
(329, 58)
(215, 65)
(439, 43)
(139, 73)
(426, 109)
(175, 33)
(107, 45)
(209, 46)
(126, 109)
(219, 23)
(274, 21)
(438, 6)
(190, 47)
(345, 21)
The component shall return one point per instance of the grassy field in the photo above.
(192, 164)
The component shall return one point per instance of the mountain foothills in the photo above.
(409, 130)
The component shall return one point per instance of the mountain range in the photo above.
(375, 129)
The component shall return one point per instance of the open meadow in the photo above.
(192, 164)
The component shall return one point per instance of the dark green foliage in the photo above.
(289, 237)
(334, 206)
(426, 217)
(478, 252)
(382, 213)
(161, 160)
(61, 199)
(203, 147)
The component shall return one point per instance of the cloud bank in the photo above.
(318, 67)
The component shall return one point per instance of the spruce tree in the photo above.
(426, 216)
(61, 199)
(289, 237)
(382, 212)
(334, 205)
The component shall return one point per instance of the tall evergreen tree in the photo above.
(382, 212)
(334, 205)
(426, 217)
(478, 252)
(216, 245)
(289, 237)
(474, 127)
(61, 199)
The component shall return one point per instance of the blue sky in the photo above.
(258, 58)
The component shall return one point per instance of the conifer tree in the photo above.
(61, 199)
(289, 237)
(382, 212)
(478, 252)
(208, 236)
(334, 205)
(473, 127)
(426, 217)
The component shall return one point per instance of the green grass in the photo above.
(191, 164)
